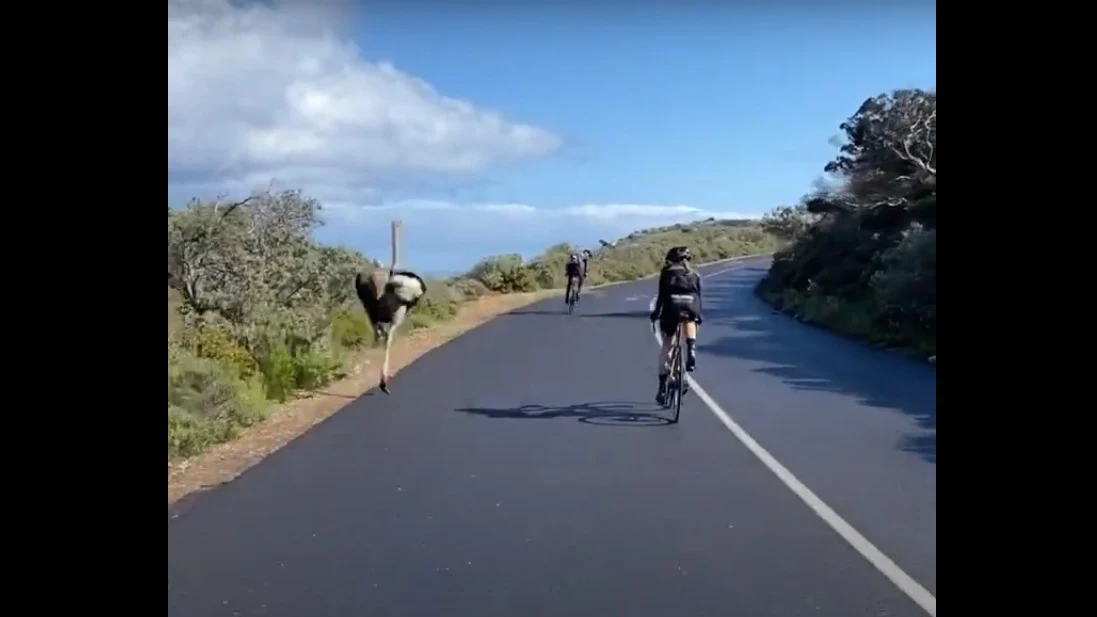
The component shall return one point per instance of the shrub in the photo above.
(504, 274)
(439, 304)
(350, 329)
(217, 342)
(469, 288)
(906, 289)
(288, 363)
(207, 403)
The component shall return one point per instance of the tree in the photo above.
(253, 261)
(788, 222)
(894, 133)
(890, 154)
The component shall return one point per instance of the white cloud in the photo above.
(595, 213)
(261, 91)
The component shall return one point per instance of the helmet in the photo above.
(573, 258)
(587, 253)
(678, 254)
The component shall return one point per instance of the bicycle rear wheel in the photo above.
(671, 389)
(678, 375)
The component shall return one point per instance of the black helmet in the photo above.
(679, 254)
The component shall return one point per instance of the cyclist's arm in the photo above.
(659, 297)
(700, 296)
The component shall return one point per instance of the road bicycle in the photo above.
(573, 292)
(676, 381)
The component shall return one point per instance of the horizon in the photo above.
(513, 129)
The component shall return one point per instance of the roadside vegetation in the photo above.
(862, 252)
(259, 312)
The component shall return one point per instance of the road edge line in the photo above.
(884, 564)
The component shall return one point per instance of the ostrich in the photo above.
(387, 303)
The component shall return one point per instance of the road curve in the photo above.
(522, 471)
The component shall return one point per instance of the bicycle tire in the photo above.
(679, 374)
(668, 401)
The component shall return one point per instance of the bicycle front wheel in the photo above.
(679, 376)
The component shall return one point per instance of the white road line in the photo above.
(705, 276)
(921, 596)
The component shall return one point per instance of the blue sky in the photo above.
(571, 123)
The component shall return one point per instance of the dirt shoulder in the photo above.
(224, 462)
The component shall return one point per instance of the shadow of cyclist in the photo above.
(610, 413)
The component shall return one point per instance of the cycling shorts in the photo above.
(678, 308)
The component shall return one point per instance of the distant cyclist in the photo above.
(575, 269)
(586, 255)
(679, 300)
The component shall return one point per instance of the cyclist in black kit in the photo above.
(678, 301)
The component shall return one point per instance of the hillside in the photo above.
(259, 313)
(636, 255)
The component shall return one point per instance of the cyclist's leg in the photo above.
(668, 325)
(567, 292)
(579, 289)
(689, 329)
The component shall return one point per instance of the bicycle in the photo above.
(676, 382)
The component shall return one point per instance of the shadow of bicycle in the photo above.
(610, 413)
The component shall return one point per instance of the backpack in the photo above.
(680, 279)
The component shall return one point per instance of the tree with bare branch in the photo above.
(872, 242)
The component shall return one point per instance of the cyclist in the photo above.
(586, 255)
(679, 300)
(575, 269)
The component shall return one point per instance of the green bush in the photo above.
(207, 403)
(216, 341)
(469, 288)
(504, 274)
(906, 289)
(289, 362)
(350, 329)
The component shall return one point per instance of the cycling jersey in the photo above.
(680, 286)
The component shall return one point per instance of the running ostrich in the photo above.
(387, 303)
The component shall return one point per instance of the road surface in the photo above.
(522, 470)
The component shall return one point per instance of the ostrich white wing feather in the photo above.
(408, 289)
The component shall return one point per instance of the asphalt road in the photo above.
(522, 470)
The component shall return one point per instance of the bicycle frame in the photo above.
(678, 388)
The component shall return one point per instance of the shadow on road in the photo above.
(808, 358)
(613, 413)
(563, 311)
